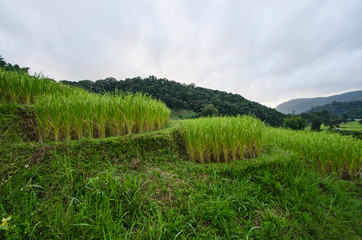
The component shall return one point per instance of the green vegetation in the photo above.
(328, 119)
(351, 110)
(178, 96)
(19, 87)
(352, 126)
(184, 114)
(62, 112)
(150, 185)
(353, 129)
(142, 187)
(294, 122)
(333, 123)
(220, 139)
(209, 111)
(9, 67)
(316, 124)
(91, 115)
(328, 152)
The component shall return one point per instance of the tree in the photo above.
(316, 124)
(209, 110)
(10, 67)
(333, 124)
(110, 79)
(2, 62)
(294, 122)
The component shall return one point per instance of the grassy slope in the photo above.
(142, 186)
(352, 126)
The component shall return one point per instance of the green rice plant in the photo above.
(220, 139)
(19, 87)
(90, 115)
(328, 151)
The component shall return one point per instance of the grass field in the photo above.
(352, 126)
(144, 186)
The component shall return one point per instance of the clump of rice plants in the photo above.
(329, 152)
(63, 112)
(91, 115)
(220, 139)
(19, 87)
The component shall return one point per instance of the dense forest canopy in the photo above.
(349, 109)
(178, 96)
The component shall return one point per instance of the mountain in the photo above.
(179, 96)
(304, 104)
(350, 109)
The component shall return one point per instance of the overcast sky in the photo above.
(268, 51)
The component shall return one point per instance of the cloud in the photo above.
(267, 51)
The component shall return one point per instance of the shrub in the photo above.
(294, 122)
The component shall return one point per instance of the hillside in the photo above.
(304, 104)
(144, 186)
(178, 96)
(80, 165)
(350, 109)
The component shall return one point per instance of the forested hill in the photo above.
(179, 96)
(304, 104)
(350, 109)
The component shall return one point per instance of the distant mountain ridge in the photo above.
(304, 104)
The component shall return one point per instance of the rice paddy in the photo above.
(141, 187)
(98, 116)
(330, 153)
(19, 87)
(221, 139)
(63, 112)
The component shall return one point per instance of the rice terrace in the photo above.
(83, 165)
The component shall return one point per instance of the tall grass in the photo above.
(329, 152)
(220, 139)
(63, 112)
(19, 87)
(90, 115)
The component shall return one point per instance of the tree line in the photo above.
(10, 67)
